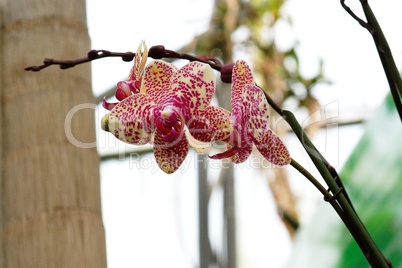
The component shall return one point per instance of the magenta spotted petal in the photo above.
(158, 78)
(211, 124)
(132, 120)
(238, 153)
(250, 113)
(170, 155)
(191, 89)
(272, 148)
(170, 104)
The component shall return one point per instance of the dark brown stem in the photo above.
(155, 52)
(384, 52)
(92, 55)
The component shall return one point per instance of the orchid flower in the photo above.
(170, 102)
(250, 115)
(133, 83)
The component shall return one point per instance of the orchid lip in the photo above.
(170, 124)
(162, 126)
(226, 154)
(169, 114)
(171, 136)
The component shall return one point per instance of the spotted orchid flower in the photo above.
(170, 103)
(250, 121)
(133, 83)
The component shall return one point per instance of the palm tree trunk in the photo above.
(50, 189)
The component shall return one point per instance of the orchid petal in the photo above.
(211, 124)
(192, 89)
(236, 154)
(273, 149)
(256, 121)
(132, 120)
(250, 111)
(198, 146)
(249, 106)
(242, 154)
(170, 155)
(242, 76)
(239, 146)
(228, 153)
(140, 59)
(144, 57)
(157, 79)
(253, 112)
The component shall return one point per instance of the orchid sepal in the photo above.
(169, 156)
(250, 113)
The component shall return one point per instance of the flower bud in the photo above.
(105, 122)
(156, 52)
(226, 73)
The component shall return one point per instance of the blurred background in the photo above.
(310, 56)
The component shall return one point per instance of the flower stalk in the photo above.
(353, 222)
(387, 60)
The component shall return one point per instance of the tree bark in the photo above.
(50, 188)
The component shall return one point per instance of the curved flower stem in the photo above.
(330, 168)
(373, 254)
(332, 200)
(383, 49)
(311, 178)
(382, 44)
(340, 200)
(91, 56)
(155, 52)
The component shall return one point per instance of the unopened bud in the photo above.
(156, 52)
(226, 73)
(105, 122)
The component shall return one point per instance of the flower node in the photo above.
(157, 52)
(226, 73)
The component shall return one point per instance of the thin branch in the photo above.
(384, 52)
(354, 16)
(91, 56)
(332, 200)
(155, 52)
(311, 178)
(329, 167)
(353, 222)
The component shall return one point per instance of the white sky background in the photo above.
(151, 218)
